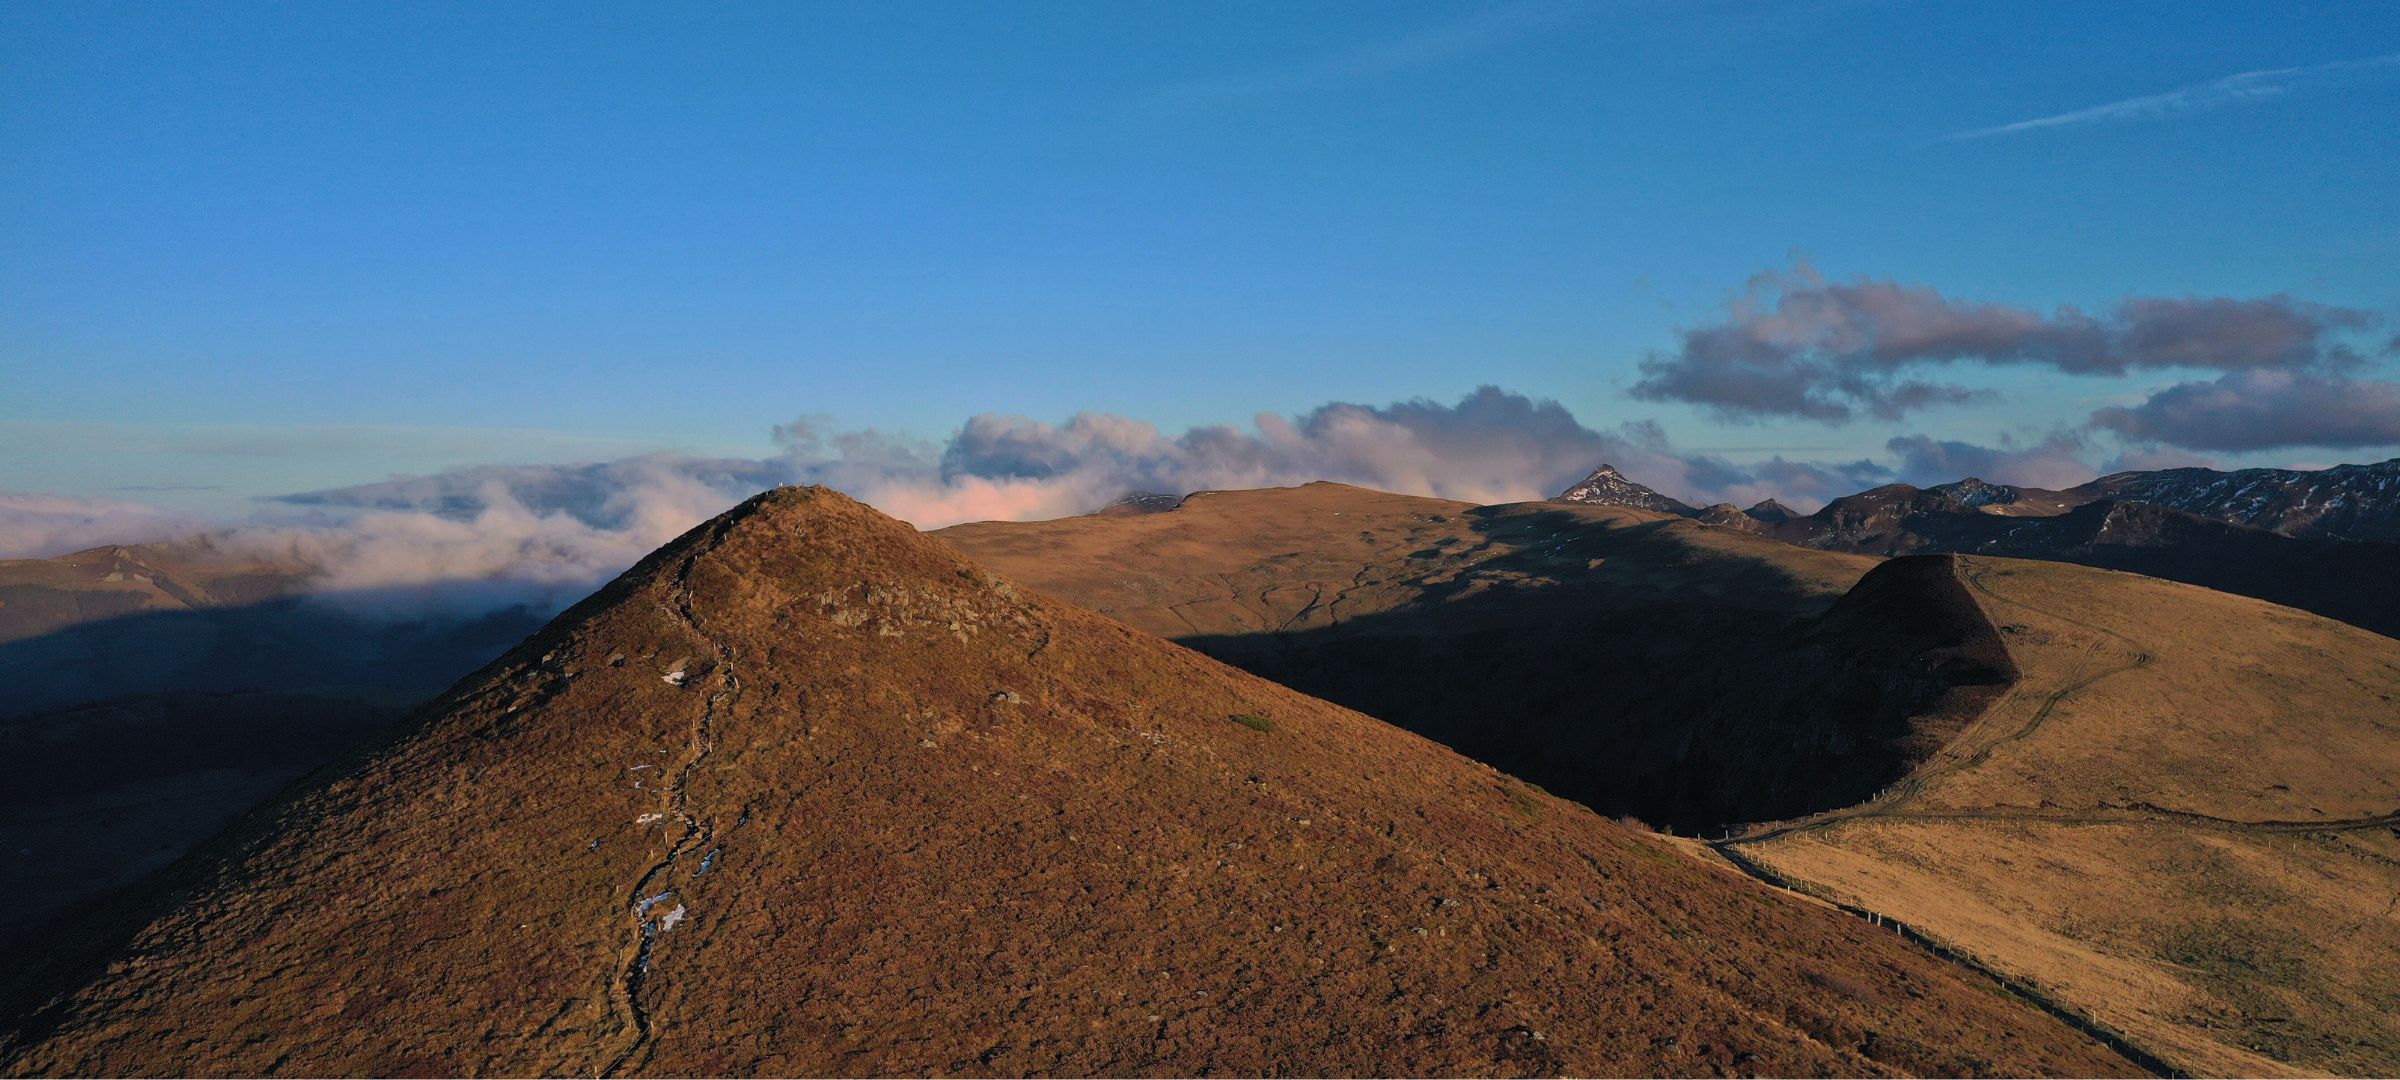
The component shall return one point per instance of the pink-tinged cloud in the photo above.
(1797, 346)
(2262, 410)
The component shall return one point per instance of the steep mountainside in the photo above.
(2183, 817)
(1728, 516)
(805, 792)
(1641, 663)
(2348, 580)
(108, 792)
(1608, 487)
(2351, 581)
(2351, 502)
(1889, 520)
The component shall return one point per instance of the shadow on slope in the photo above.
(289, 644)
(907, 818)
(2353, 581)
(1714, 694)
(110, 792)
(138, 737)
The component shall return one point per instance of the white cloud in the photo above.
(36, 526)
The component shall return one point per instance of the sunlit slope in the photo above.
(2181, 819)
(1292, 560)
(1586, 648)
(43, 596)
(807, 793)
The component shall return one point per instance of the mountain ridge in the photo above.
(2272, 534)
(807, 792)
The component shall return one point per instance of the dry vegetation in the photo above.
(806, 793)
(1293, 560)
(1594, 649)
(2182, 821)
(2177, 818)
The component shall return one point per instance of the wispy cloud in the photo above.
(2232, 89)
(1428, 48)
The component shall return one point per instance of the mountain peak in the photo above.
(807, 791)
(1608, 487)
(1973, 492)
(1771, 512)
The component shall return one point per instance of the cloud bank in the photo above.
(2261, 410)
(1794, 345)
(1490, 446)
(2056, 461)
(37, 526)
(2275, 372)
(542, 535)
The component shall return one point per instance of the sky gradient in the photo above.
(248, 251)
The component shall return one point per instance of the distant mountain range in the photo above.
(2319, 540)
(2345, 502)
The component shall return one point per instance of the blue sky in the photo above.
(249, 249)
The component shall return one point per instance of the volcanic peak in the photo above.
(1608, 487)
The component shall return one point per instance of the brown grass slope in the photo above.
(1636, 661)
(1293, 560)
(805, 792)
(105, 794)
(44, 596)
(2183, 819)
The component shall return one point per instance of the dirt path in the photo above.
(2072, 1016)
(1975, 747)
(1892, 801)
(698, 831)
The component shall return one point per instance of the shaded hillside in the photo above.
(2349, 502)
(2353, 581)
(165, 620)
(1871, 689)
(109, 792)
(805, 792)
(2183, 818)
(1636, 662)
(2343, 502)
